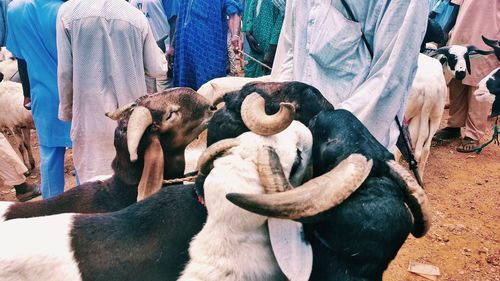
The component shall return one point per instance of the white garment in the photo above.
(105, 49)
(12, 169)
(320, 46)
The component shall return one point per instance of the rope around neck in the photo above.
(190, 179)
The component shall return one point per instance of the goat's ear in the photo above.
(472, 50)
(171, 118)
(152, 173)
(443, 51)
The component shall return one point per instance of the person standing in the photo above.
(262, 23)
(105, 50)
(200, 44)
(475, 18)
(32, 38)
(361, 55)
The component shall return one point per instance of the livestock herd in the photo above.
(278, 164)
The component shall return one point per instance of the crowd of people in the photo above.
(83, 58)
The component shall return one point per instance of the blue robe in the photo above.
(201, 41)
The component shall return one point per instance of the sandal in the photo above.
(23, 197)
(467, 145)
(447, 133)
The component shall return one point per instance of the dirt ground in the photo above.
(463, 189)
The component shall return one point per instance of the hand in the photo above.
(269, 56)
(27, 103)
(254, 45)
(170, 62)
(236, 43)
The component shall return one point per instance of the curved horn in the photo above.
(490, 42)
(313, 197)
(139, 120)
(217, 100)
(271, 172)
(417, 199)
(255, 118)
(212, 152)
(115, 115)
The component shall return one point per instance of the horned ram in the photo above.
(356, 235)
(150, 139)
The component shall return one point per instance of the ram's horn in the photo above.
(139, 120)
(271, 173)
(416, 200)
(205, 162)
(152, 173)
(255, 118)
(315, 196)
(118, 113)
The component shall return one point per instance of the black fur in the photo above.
(148, 240)
(227, 123)
(356, 240)
(493, 86)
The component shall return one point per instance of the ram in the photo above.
(355, 234)
(148, 240)
(17, 119)
(150, 139)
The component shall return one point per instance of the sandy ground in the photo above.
(464, 193)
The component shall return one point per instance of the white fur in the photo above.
(234, 243)
(482, 93)
(14, 116)
(8, 67)
(425, 107)
(37, 249)
(3, 209)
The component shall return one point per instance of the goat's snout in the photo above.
(460, 75)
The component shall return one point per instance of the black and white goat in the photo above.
(150, 139)
(489, 86)
(456, 60)
(355, 236)
(234, 244)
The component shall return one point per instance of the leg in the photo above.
(52, 170)
(457, 114)
(12, 169)
(477, 116)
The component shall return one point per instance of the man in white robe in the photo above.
(105, 49)
(321, 44)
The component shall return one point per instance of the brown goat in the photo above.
(174, 118)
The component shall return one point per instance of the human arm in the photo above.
(155, 62)
(25, 82)
(275, 34)
(233, 10)
(64, 70)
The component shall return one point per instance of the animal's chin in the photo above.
(460, 75)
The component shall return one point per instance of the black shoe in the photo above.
(447, 133)
(25, 192)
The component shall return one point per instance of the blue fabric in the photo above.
(171, 7)
(443, 10)
(52, 170)
(32, 37)
(201, 41)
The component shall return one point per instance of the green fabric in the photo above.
(265, 27)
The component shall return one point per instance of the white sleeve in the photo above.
(64, 70)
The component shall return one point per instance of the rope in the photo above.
(256, 60)
(191, 179)
(494, 138)
(10, 79)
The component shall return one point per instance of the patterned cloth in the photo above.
(264, 20)
(105, 49)
(320, 46)
(200, 47)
